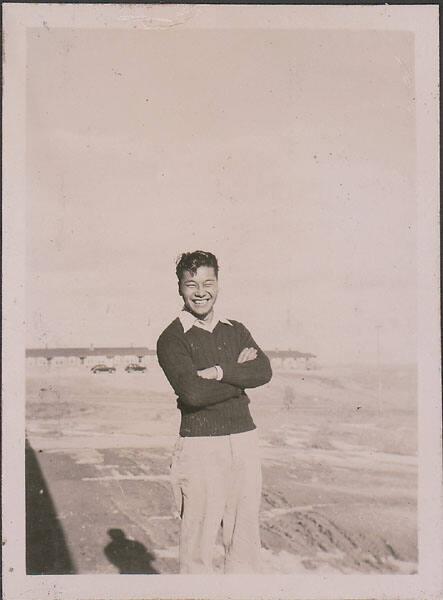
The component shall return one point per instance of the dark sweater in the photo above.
(210, 407)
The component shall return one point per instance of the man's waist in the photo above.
(224, 418)
(230, 403)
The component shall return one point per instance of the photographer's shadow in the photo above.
(128, 555)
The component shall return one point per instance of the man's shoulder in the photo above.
(235, 324)
(174, 329)
(239, 330)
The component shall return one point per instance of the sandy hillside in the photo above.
(339, 466)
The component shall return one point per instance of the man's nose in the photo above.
(200, 291)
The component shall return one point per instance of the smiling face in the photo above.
(199, 291)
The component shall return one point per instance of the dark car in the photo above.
(135, 367)
(102, 369)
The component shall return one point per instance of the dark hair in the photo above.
(191, 261)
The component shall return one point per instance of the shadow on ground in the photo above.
(46, 550)
(129, 556)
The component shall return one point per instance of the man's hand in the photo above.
(209, 373)
(247, 354)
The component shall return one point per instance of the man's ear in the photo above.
(179, 290)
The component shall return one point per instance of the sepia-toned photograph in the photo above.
(226, 326)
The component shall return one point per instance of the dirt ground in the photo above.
(339, 471)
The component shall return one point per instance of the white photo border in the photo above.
(422, 20)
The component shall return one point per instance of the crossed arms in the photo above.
(216, 372)
(200, 388)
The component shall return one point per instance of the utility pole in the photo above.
(288, 317)
(378, 327)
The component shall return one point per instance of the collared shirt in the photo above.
(188, 320)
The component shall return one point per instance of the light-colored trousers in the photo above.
(217, 481)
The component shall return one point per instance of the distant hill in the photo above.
(135, 351)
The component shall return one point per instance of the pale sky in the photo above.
(289, 154)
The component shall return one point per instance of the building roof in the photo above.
(106, 351)
(288, 354)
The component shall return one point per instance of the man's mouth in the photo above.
(201, 301)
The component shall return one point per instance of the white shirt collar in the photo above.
(188, 321)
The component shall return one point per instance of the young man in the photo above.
(216, 473)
